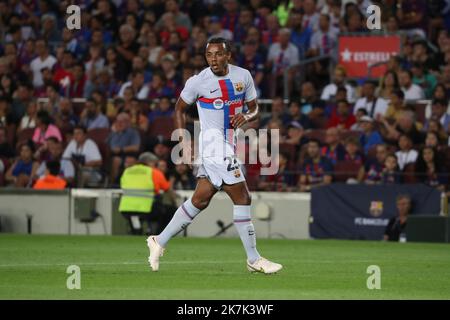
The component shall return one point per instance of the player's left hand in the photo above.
(238, 120)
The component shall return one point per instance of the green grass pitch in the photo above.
(115, 267)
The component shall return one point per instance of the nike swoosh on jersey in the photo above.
(213, 90)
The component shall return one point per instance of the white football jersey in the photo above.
(218, 98)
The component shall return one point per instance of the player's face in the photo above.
(217, 58)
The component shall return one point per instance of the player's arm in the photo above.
(240, 119)
(180, 114)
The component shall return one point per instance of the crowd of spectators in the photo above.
(130, 59)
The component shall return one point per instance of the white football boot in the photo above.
(156, 251)
(264, 266)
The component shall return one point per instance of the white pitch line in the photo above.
(112, 263)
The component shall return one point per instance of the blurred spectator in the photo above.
(406, 154)
(67, 170)
(370, 137)
(342, 119)
(92, 117)
(396, 106)
(230, 18)
(282, 56)
(353, 151)
(311, 17)
(300, 37)
(429, 169)
(324, 39)
(158, 87)
(6, 150)
(43, 60)
(295, 114)
(317, 170)
(51, 180)
(339, 80)
(397, 224)
(86, 156)
(333, 149)
(277, 112)
(182, 179)
(412, 91)
(137, 84)
(216, 30)
(311, 105)
(406, 124)
(358, 116)
(45, 129)
(439, 113)
(123, 142)
(375, 106)
(439, 93)
(245, 21)
(389, 83)
(23, 169)
(162, 109)
(5, 112)
(253, 61)
(22, 97)
(65, 118)
(373, 167)
(283, 180)
(391, 173)
(127, 48)
(424, 79)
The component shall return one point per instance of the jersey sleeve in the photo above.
(190, 93)
(250, 91)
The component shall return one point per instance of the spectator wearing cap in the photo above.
(339, 79)
(51, 180)
(412, 91)
(342, 118)
(370, 136)
(124, 141)
(317, 170)
(282, 55)
(215, 29)
(92, 117)
(43, 60)
(333, 149)
(376, 107)
(295, 136)
(141, 184)
(439, 113)
(357, 126)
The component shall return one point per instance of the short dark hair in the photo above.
(441, 102)
(54, 167)
(220, 40)
(399, 93)
(80, 127)
(44, 117)
(314, 140)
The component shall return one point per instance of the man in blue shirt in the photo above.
(370, 136)
(317, 170)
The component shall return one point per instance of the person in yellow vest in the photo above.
(141, 184)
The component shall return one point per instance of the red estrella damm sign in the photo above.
(357, 53)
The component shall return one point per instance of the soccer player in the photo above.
(220, 92)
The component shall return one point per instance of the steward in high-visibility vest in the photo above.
(138, 189)
(141, 183)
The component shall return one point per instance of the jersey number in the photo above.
(232, 163)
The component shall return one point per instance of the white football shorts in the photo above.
(221, 171)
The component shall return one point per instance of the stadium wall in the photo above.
(276, 215)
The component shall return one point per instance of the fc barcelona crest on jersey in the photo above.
(239, 86)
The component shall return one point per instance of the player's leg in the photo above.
(184, 215)
(241, 198)
(181, 219)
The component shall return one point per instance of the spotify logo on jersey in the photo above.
(218, 104)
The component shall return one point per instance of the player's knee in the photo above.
(200, 204)
(245, 200)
